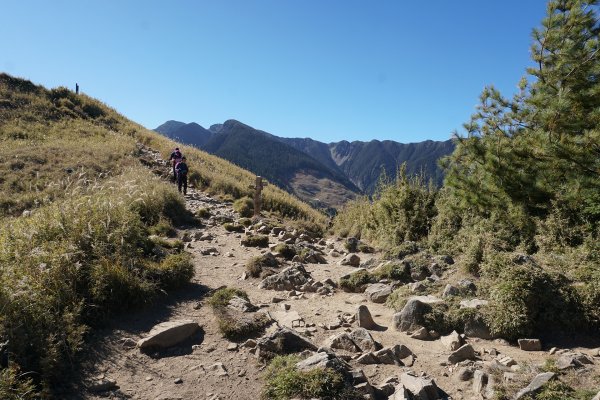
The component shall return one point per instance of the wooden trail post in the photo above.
(258, 187)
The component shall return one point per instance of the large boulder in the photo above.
(323, 360)
(342, 341)
(283, 341)
(453, 341)
(364, 318)
(169, 334)
(421, 388)
(378, 292)
(363, 339)
(288, 279)
(411, 317)
(465, 352)
(351, 259)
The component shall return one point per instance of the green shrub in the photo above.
(399, 297)
(244, 206)
(355, 282)
(255, 241)
(203, 213)
(284, 382)
(221, 297)
(16, 386)
(245, 222)
(287, 251)
(257, 264)
(240, 327)
(173, 272)
(526, 301)
(393, 270)
(230, 227)
(163, 228)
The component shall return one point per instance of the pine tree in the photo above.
(540, 150)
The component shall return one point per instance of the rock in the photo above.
(450, 290)
(276, 300)
(351, 244)
(342, 341)
(573, 360)
(597, 396)
(103, 385)
(480, 380)
(401, 393)
(178, 381)
(219, 369)
(250, 344)
(464, 374)
(473, 303)
(536, 384)
(475, 327)
(453, 341)
(358, 376)
(421, 334)
(366, 390)
(401, 351)
(467, 285)
(321, 360)
(386, 356)
(288, 279)
(530, 344)
(241, 304)
(429, 299)
(411, 316)
(351, 259)
(363, 339)
(364, 319)
(209, 251)
(334, 253)
(168, 334)
(420, 387)
(378, 292)
(232, 347)
(506, 361)
(465, 352)
(283, 341)
(367, 358)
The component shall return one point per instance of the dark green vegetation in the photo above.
(520, 207)
(284, 382)
(77, 217)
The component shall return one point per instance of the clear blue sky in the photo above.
(326, 69)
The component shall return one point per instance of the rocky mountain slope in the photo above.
(331, 173)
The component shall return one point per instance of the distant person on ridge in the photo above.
(76, 88)
(182, 169)
(175, 158)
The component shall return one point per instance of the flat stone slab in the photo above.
(536, 384)
(167, 334)
(291, 319)
(429, 299)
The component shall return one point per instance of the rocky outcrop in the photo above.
(289, 279)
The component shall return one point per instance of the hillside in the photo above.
(83, 218)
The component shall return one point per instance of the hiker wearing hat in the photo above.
(175, 158)
(182, 169)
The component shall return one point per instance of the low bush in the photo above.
(203, 213)
(256, 265)
(255, 241)
(287, 251)
(355, 282)
(244, 207)
(284, 382)
(221, 297)
(231, 227)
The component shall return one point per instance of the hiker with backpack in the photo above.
(182, 169)
(175, 158)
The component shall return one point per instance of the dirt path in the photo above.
(188, 371)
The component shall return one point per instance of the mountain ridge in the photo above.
(354, 167)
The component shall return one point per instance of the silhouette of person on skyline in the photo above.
(76, 88)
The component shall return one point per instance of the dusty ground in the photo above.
(185, 371)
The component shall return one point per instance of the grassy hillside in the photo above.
(77, 214)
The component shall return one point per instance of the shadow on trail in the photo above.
(181, 349)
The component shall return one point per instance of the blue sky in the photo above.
(327, 69)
